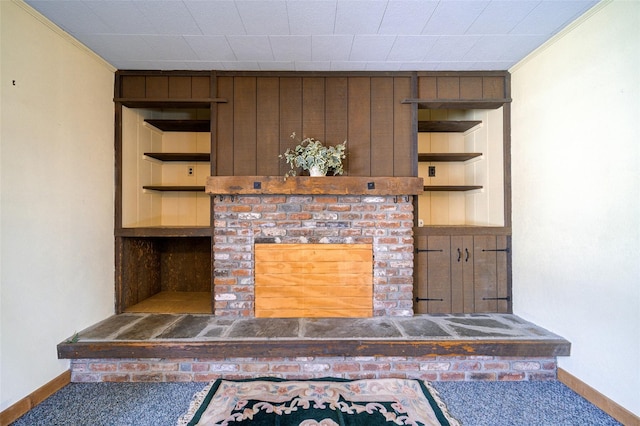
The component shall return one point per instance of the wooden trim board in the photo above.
(337, 185)
(601, 401)
(313, 280)
(20, 408)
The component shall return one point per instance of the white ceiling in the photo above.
(312, 35)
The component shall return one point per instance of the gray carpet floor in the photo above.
(159, 404)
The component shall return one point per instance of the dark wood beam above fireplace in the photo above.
(336, 185)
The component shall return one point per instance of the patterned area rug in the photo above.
(324, 402)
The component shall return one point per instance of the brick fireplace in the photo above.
(378, 211)
(241, 221)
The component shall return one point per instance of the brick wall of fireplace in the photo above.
(240, 221)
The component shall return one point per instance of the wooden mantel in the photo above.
(337, 185)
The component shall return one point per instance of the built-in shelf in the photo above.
(447, 156)
(457, 103)
(168, 102)
(180, 156)
(180, 125)
(337, 185)
(449, 126)
(183, 188)
(455, 188)
(165, 231)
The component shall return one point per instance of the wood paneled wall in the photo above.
(261, 112)
(161, 85)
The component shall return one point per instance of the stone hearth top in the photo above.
(188, 335)
(201, 327)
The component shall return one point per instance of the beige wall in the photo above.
(56, 196)
(576, 196)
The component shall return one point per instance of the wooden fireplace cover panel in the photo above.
(313, 280)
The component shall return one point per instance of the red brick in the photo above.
(150, 377)
(163, 366)
(85, 378)
(376, 367)
(452, 376)
(178, 377)
(205, 377)
(116, 378)
(430, 377)
(343, 367)
(255, 368)
(435, 366)
(316, 368)
(511, 377)
(361, 376)
(466, 366)
(134, 366)
(199, 367)
(525, 365)
(496, 365)
(549, 365)
(482, 376)
(273, 199)
(284, 368)
(103, 367)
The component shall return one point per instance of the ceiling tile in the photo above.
(241, 66)
(169, 17)
(251, 48)
(331, 48)
(454, 17)
(167, 48)
(549, 17)
(450, 48)
(502, 48)
(410, 48)
(122, 17)
(406, 16)
(334, 35)
(211, 47)
(216, 17)
(311, 17)
(116, 47)
(383, 66)
(348, 66)
(263, 17)
(291, 48)
(277, 66)
(75, 17)
(500, 16)
(313, 66)
(371, 47)
(359, 17)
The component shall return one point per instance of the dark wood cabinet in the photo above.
(462, 274)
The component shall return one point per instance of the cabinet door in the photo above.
(461, 274)
(491, 292)
(462, 267)
(433, 275)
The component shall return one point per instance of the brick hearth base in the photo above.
(431, 368)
